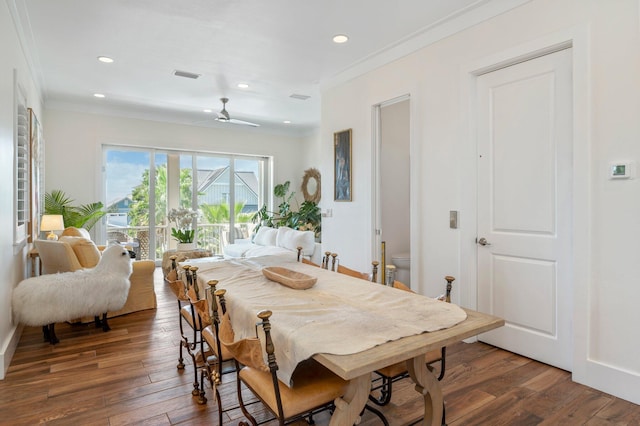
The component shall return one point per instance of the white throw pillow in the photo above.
(291, 239)
(266, 236)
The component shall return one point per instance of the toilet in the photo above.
(402, 262)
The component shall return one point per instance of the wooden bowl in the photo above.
(289, 278)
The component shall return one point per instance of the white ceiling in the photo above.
(278, 47)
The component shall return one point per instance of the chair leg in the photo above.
(385, 392)
(101, 322)
(377, 413)
(180, 365)
(191, 350)
(202, 399)
(211, 374)
(444, 422)
(242, 407)
(49, 333)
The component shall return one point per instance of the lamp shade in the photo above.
(52, 222)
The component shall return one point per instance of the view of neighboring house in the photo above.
(213, 188)
(118, 210)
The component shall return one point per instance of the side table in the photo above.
(36, 264)
(182, 256)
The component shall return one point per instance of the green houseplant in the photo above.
(183, 231)
(306, 218)
(82, 216)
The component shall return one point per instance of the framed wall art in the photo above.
(342, 162)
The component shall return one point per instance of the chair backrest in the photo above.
(72, 231)
(373, 276)
(402, 286)
(308, 262)
(184, 284)
(247, 351)
(208, 309)
(352, 272)
(446, 297)
(57, 256)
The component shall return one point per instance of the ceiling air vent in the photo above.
(186, 74)
(299, 97)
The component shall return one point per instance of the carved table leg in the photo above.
(428, 385)
(349, 407)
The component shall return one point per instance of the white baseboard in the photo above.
(610, 379)
(9, 348)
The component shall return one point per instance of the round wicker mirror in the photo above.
(311, 185)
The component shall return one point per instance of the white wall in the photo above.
(13, 262)
(606, 36)
(74, 148)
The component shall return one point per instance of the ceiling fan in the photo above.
(224, 117)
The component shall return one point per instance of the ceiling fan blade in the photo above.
(224, 117)
(243, 123)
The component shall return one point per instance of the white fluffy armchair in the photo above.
(75, 250)
(51, 298)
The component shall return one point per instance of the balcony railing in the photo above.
(210, 236)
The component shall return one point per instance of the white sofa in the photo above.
(282, 240)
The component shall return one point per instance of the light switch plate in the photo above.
(453, 219)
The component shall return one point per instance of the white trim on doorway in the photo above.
(376, 201)
(585, 369)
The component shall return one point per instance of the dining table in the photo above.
(351, 326)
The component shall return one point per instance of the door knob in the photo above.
(483, 242)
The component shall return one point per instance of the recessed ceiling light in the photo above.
(340, 38)
(207, 110)
(105, 59)
(98, 95)
(243, 85)
(287, 122)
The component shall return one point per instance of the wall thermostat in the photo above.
(622, 170)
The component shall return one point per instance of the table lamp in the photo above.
(50, 223)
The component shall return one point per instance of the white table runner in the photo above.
(338, 315)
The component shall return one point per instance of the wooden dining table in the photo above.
(357, 368)
(349, 325)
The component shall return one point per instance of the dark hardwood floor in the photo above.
(129, 376)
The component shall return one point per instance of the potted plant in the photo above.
(306, 218)
(82, 216)
(184, 230)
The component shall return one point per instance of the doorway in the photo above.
(392, 168)
(524, 206)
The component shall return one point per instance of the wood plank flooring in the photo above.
(129, 376)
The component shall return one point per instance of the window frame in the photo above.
(21, 166)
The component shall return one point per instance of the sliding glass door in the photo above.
(225, 190)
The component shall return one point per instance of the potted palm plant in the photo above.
(82, 216)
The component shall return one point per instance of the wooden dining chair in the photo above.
(209, 312)
(302, 259)
(435, 359)
(185, 289)
(314, 390)
(331, 260)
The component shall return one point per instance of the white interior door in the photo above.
(524, 206)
